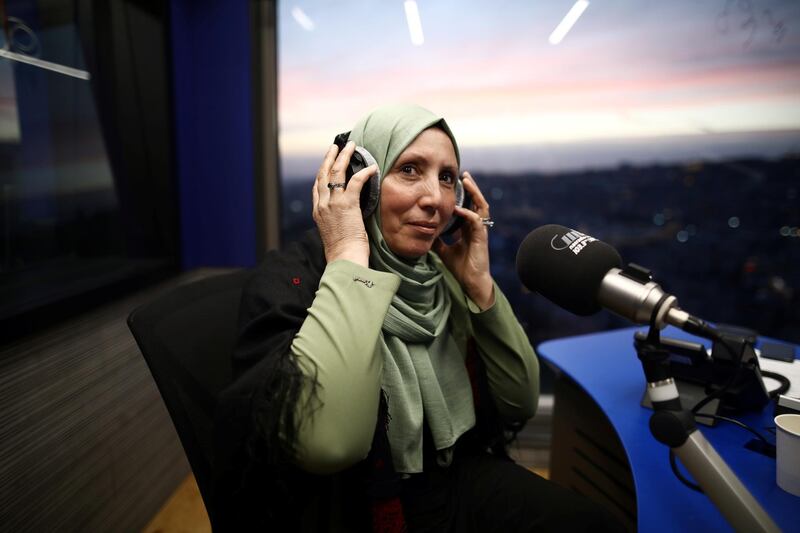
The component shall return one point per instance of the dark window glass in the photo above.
(60, 224)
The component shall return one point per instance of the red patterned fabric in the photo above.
(387, 516)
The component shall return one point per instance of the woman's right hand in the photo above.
(337, 211)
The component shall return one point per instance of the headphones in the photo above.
(371, 192)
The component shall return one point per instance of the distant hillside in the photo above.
(722, 236)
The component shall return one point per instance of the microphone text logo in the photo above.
(574, 240)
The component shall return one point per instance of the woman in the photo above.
(382, 368)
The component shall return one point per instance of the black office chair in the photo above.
(187, 336)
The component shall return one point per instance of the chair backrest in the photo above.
(187, 336)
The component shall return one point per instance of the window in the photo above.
(670, 130)
(69, 226)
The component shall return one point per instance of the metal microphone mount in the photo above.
(674, 426)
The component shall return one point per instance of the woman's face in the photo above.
(418, 194)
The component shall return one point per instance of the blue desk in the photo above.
(606, 368)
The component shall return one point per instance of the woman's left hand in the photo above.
(468, 257)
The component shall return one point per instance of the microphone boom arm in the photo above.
(674, 426)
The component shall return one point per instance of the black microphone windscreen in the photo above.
(565, 266)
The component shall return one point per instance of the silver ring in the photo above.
(332, 186)
(488, 222)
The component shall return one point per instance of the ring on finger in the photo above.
(340, 185)
(487, 221)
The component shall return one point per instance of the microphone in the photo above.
(583, 275)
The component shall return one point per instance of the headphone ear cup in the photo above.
(361, 159)
(459, 192)
(371, 191)
(466, 199)
(462, 200)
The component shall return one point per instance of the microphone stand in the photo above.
(674, 426)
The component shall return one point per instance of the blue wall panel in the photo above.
(213, 129)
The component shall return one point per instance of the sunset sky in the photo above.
(701, 74)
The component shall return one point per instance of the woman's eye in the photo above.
(407, 169)
(447, 178)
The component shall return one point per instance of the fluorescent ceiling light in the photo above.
(569, 19)
(414, 23)
(301, 18)
(47, 65)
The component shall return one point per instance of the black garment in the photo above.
(259, 489)
(484, 493)
(481, 492)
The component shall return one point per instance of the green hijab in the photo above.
(424, 376)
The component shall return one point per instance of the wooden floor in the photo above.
(184, 512)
